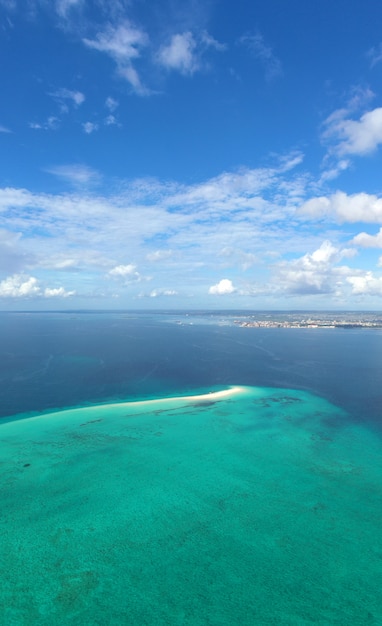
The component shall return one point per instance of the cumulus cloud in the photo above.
(366, 284)
(128, 273)
(358, 207)
(21, 286)
(354, 137)
(222, 288)
(315, 273)
(123, 43)
(350, 131)
(368, 241)
(123, 270)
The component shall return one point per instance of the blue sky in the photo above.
(186, 154)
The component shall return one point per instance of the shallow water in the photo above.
(261, 508)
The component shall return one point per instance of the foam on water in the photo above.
(261, 506)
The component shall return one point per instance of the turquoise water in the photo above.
(260, 508)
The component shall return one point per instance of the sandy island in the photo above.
(212, 396)
(205, 397)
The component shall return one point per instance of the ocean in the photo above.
(179, 469)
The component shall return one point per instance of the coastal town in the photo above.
(324, 321)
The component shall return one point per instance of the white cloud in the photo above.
(21, 286)
(76, 97)
(315, 273)
(180, 54)
(211, 42)
(184, 52)
(358, 207)
(123, 270)
(156, 293)
(346, 136)
(111, 104)
(131, 75)
(325, 254)
(58, 292)
(222, 288)
(75, 174)
(368, 241)
(3, 129)
(226, 224)
(366, 284)
(264, 53)
(128, 273)
(89, 127)
(123, 44)
(193, 222)
(241, 190)
(63, 97)
(335, 170)
(111, 120)
(354, 137)
(52, 123)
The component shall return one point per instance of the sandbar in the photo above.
(205, 397)
(212, 396)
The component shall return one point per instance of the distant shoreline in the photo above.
(308, 324)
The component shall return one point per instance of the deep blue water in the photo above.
(57, 360)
